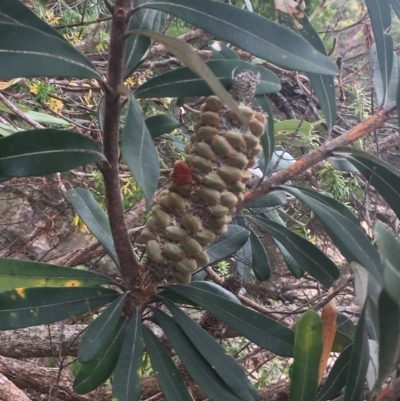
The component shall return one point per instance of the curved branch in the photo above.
(323, 152)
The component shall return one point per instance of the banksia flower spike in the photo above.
(205, 188)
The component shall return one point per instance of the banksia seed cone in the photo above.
(199, 203)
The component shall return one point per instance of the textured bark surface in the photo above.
(41, 341)
(9, 391)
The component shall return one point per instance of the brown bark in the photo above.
(9, 391)
(41, 341)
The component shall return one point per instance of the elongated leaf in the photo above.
(380, 16)
(358, 364)
(311, 258)
(27, 52)
(352, 243)
(228, 243)
(389, 347)
(389, 249)
(336, 379)
(292, 264)
(171, 381)
(184, 82)
(223, 51)
(205, 285)
(323, 85)
(139, 152)
(128, 372)
(193, 360)
(24, 273)
(40, 152)
(223, 364)
(276, 198)
(138, 46)
(268, 139)
(279, 160)
(244, 261)
(15, 12)
(260, 329)
(94, 217)
(260, 263)
(100, 331)
(307, 354)
(377, 78)
(396, 7)
(338, 206)
(383, 176)
(257, 35)
(189, 56)
(24, 307)
(161, 124)
(91, 375)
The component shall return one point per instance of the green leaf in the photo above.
(223, 364)
(346, 326)
(100, 331)
(45, 118)
(329, 201)
(358, 364)
(205, 285)
(137, 47)
(255, 34)
(336, 379)
(381, 175)
(184, 52)
(377, 79)
(260, 329)
(161, 124)
(244, 260)
(342, 164)
(396, 7)
(268, 139)
(389, 347)
(285, 129)
(227, 244)
(127, 384)
(380, 16)
(184, 82)
(272, 199)
(193, 360)
(24, 307)
(292, 264)
(223, 51)
(171, 381)
(24, 273)
(349, 239)
(91, 375)
(389, 249)
(45, 151)
(27, 52)
(260, 262)
(94, 217)
(323, 85)
(34, 115)
(307, 354)
(15, 12)
(311, 258)
(279, 160)
(139, 152)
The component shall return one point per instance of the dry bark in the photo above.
(41, 341)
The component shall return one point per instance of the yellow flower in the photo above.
(34, 87)
(55, 104)
(51, 19)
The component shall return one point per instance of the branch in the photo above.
(46, 380)
(19, 113)
(323, 152)
(130, 266)
(41, 341)
(10, 392)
